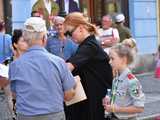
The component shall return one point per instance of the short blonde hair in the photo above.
(124, 51)
(76, 18)
(130, 42)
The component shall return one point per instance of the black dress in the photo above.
(92, 65)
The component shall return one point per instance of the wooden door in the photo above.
(99, 8)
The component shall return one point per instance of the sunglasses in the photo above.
(69, 33)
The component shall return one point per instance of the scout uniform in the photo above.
(127, 91)
(40, 7)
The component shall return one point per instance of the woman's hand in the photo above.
(111, 108)
(108, 108)
(106, 100)
(70, 66)
(106, 103)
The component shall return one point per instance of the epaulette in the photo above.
(131, 76)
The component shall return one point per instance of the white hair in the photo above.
(59, 19)
(33, 36)
(34, 29)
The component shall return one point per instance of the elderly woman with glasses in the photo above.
(91, 63)
(60, 44)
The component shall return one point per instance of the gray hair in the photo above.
(59, 19)
(34, 30)
(33, 36)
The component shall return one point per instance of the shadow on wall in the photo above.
(144, 63)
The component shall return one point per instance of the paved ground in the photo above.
(151, 87)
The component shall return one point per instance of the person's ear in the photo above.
(44, 41)
(125, 60)
(14, 46)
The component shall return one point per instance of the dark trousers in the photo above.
(113, 117)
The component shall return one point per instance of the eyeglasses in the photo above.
(69, 33)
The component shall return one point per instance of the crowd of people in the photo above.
(46, 57)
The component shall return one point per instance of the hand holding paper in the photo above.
(79, 93)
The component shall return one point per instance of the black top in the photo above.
(92, 65)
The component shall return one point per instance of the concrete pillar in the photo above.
(144, 24)
(21, 10)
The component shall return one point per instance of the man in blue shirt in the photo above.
(40, 80)
(5, 44)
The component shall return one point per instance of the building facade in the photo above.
(142, 17)
(144, 25)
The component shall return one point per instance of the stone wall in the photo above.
(144, 63)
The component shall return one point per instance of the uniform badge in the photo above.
(134, 87)
(130, 76)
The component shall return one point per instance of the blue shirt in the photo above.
(39, 80)
(52, 32)
(5, 47)
(62, 48)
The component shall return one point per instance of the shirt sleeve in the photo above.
(68, 81)
(116, 33)
(8, 45)
(135, 90)
(13, 76)
(74, 47)
(83, 54)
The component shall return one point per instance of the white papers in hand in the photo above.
(79, 93)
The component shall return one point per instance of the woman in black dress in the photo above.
(91, 63)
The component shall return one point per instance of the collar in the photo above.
(123, 74)
(88, 38)
(36, 47)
